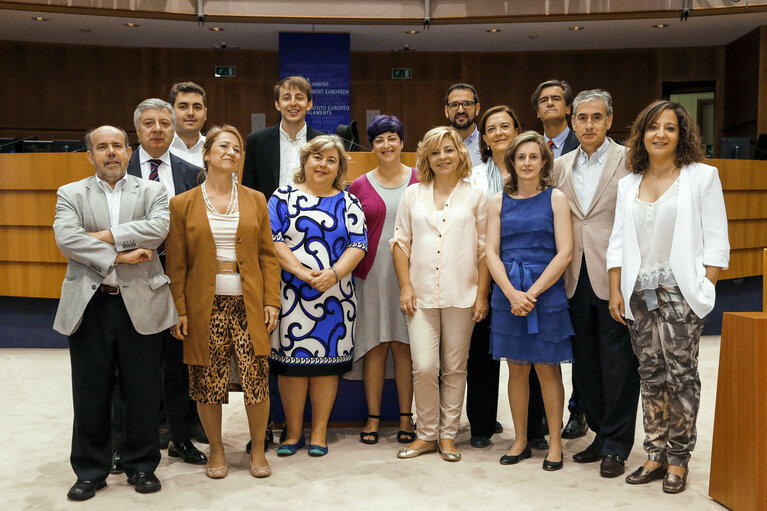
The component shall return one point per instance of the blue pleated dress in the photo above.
(527, 247)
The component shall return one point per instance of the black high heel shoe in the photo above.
(371, 437)
(405, 437)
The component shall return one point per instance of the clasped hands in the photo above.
(522, 303)
(321, 280)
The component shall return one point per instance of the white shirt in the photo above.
(472, 144)
(586, 173)
(113, 205)
(163, 170)
(290, 159)
(224, 230)
(191, 154)
(654, 223)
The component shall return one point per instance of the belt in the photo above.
(227, 267)
(110, 290)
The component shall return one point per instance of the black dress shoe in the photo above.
(576, 427)
(145, 482)
(612, 466)
(539, 444)
(498, 427)
(164, 437)
(511, 459)
(551, 466)
(84, 490)
(198, 433)
(672, 483)
(589, 455)
(116, 467)
(187, 452)
(479, 441)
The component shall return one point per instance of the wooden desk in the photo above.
(738, 477)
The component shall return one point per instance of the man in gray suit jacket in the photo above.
(114, 302)
(604, 368)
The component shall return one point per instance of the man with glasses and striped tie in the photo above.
(155, 122)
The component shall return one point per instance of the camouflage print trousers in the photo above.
(666, 341)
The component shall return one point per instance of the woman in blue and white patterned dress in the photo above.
(320, 236)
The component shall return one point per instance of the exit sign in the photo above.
(227, 71)
(402, 73)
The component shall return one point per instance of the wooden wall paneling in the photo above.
(745, 262)
(39, 280)
(762, 94)
(42, 171)
(742, 205)
(27, 207)
(30, 244)
(748, 233)
(741, 75)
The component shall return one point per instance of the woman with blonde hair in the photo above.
(439, 249)
(320, 236)
(225, 283)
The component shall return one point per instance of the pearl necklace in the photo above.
(231, 208)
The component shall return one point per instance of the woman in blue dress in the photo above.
(320, 237)
(529, 245)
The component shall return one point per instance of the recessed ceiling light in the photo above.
(86, 30)
(216, 29)
(412, 32)
(39, 18)
(533, 36)
(660, 25)
(130, 24)
(576, 28)
(493, 30)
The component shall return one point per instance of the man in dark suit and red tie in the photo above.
(552, 102)
(155, 123)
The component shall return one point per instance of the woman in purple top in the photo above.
(381, 326)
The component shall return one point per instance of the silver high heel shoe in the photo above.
(405, 452)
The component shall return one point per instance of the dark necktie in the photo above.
(154, 175)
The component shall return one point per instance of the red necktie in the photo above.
(154, 175)
(551, 144)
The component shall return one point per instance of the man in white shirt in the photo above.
(190, 105)
(552, 101)
(115, 302)
(155, 123)
(604, 368)
(461, 110)
(272, 154)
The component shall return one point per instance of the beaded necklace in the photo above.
(231, 208)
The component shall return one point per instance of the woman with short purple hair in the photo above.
(381, 326)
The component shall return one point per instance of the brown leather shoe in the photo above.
(675, 484)
(643, 476)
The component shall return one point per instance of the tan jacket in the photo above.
(191, 266)
(592, 228)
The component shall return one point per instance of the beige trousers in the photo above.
(439, 347)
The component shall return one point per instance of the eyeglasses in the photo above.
(455, 104)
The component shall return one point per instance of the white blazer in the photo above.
(700, 236)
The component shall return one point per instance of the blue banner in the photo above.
(323, 59)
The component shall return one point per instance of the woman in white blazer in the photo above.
(668, 245)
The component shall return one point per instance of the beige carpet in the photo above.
(36, 424)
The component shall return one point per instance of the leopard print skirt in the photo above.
(229, 339)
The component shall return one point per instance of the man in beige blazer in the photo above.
(604, 368)
(115, 300)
